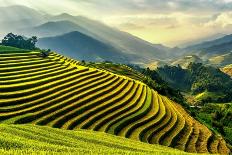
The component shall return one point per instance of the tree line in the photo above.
(19, 41)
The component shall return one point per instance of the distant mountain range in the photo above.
(217, 52)
(203, 39)
(122, 47)
(52, 28)
(220, 60)
(212, 48)
(43, 25)
(83, 47)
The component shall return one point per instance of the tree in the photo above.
(31, 42)
(19, 41)
(217, 121)
(83, 61)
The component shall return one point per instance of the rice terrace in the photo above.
(74, 85)
(55, 91)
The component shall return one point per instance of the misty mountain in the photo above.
(208, 44)
(215, 48)
(203, 40)
(54, 28)
(17, 17)
(121, 40)
(32, 22)
(82, 47)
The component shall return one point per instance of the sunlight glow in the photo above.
(176, 24)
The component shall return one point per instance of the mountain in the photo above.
(221, 60)
(204, 39)
(121, 40)
(198, 79)
(32, 22)
(127, 43)
(208, 44)
(54, 28)
(186, 60)
(216, 52)
(82, 47)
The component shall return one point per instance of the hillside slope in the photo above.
(80, 46)
(50, 29)
(213, 48)
(198, 79)
(228, 70)
(26, 139)
(55, 91)
(221, 60)
(121, 40)
(208, 44)
(186, 60)
(26, 21)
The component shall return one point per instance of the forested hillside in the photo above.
(198, 79)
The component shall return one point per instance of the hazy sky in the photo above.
(171, 22)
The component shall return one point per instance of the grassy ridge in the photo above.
(70, 96)
(11, 49)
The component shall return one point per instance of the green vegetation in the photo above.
(56, 91)
(206, 97)
(10, 49)
(199, 80)
(19, 41)
(115, 68)
(218, 116)
(147, 76)
(28, 139)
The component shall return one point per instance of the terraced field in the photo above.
(55, 91)
(29, 139)
(116, 68)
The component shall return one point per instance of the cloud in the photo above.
(159, 6)
(222, 20)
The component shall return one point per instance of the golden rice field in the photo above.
(55, 91)
(38, 140)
